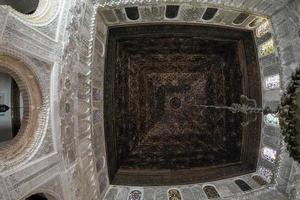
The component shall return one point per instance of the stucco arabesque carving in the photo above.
(73, 68)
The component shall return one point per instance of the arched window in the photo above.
(266, 174)
(135, 195)
(211, 192)
(209, 13)
(174, 194)
(38, 196)
(272, 82)
(271, 119)
(242, 185)
(259, 180)
(269, 154)
(172, 11)
(267, 48)
(22, 6)
(263, 29)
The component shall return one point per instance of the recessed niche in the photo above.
(11, 107)
(158, 80)
(22, 6)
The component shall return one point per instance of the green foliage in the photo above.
(287, 116)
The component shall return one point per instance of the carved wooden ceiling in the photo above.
(156, 78)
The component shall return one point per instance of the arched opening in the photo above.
(22, 6)
(11, 107)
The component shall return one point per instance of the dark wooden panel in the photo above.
(155, 79)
